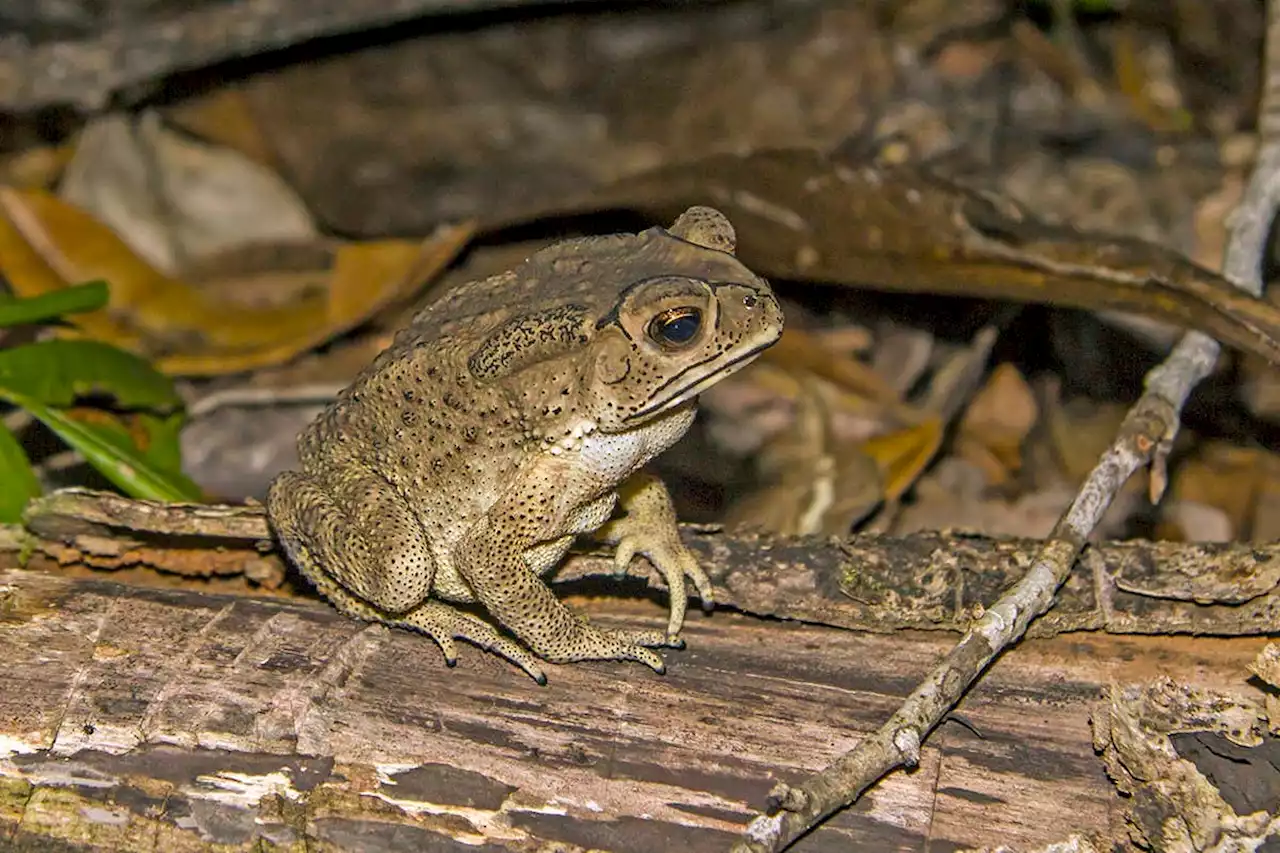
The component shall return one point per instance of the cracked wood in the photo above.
(144, 719)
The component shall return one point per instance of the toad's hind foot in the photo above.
(441, 623)
(444, 624)
(648, 639)
(625, 645)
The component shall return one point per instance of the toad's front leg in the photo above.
(649, 527)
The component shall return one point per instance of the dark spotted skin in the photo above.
(512, 415)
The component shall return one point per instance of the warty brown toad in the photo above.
(511, 416)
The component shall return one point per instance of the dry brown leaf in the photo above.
(174, 199)
(1218, 475)
(810, 483)
(800, 350)
(1080, 430)
(35, 168)
(850, 338)
(1210, 220)
(1142, 76)
(1258, 383)
(939, 504)
(1192, 521)
(902, 456)
(859, 402)
(902, 355)
(47, 244)
(224, 116)
(1265, 525)
(995, 473)
(996, 424)
(817, 483)
(1243, 483)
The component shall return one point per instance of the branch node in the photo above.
(762, 833)
(907, 741)
(1158, 477)
(785, 798)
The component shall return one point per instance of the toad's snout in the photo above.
(753, 310)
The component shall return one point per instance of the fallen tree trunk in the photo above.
(145, 719)
(869, 582)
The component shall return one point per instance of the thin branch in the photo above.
(1144, 439)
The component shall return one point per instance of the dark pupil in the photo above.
(680, 328)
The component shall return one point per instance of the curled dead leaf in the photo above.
(902, 456)
(802, 215)
(173, 198)
(996, 424)
(47, 244)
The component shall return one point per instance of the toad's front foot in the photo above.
(649, 528)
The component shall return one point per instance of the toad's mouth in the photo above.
(679, 395)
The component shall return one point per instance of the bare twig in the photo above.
(248, 396)
(1144, 439)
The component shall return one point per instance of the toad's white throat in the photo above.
(615, 456)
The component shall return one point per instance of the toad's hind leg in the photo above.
(348, 528)
(357, 543)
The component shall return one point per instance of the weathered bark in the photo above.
(142, 719)
(139, 46)
(869, 582)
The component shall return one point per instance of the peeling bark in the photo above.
(163, 720)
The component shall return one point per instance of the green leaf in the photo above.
(56, 373)
(18, 483)
(50, 306)
(47, 377)
(163, 438)
(109, 449)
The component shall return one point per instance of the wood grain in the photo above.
(145, 719)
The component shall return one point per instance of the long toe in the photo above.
(703, 584)
(447, 647)
(648, 639)
(646, 657)
(487, 637)
(444, 624)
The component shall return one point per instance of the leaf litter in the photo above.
(866, 416)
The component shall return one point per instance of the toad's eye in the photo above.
(675, 327)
